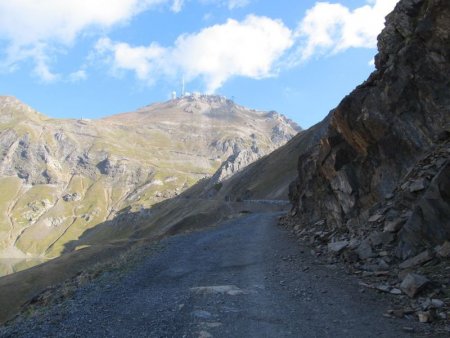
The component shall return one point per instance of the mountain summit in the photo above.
(60, 177)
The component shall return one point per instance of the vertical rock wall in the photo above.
(383, 128)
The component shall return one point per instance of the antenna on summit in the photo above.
(182, 88)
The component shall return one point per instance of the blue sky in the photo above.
(92, 58)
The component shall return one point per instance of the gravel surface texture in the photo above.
(244, 278)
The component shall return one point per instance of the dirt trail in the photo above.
(244, 278)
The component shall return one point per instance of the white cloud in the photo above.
(250, 48)
(177, 5)
(35, 30)
(144, 61)
(232, 4)
(42, 71)
(37, 52)
(78, 76)
(329, 28)
(30, 27)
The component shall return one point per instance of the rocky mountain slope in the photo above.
(268, 178)
(61, 177)
(374, 191)
(384, 161)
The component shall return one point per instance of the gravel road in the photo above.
(244, 278)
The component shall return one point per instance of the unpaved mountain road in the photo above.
(244, 278)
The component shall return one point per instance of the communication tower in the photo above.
(183, 93)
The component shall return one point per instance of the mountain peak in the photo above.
(11, 108)
(204, 98)
(85, 173)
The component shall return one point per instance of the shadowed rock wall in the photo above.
(382, 130)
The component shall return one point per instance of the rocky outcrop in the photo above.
(386, 151)
(429, 220)
(233, 164)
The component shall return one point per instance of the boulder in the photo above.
(413, 283)
(364, 250)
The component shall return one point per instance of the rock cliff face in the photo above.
(387, 148)
(61, 177)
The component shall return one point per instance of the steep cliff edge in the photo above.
(384, 161)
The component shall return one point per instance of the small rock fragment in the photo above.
(442, 315)
(413, 283)
(395, 291)
(377, 238)
(425, 304)
(382, 266)
(424, 316)
(365, 285)
(418, 185)
(320, 223)
(437, 303)
(384, 288)
(212, 324)
(375, 218)
(354, 243)
(71, 197)
(398, 313)
(389, 196)
(421, 258)
(381, 273)
(204, 334)
(337, 247)
(350, 256)
(230, 290)
(393, 226)
(364, 250)
(201, 314)
(443, 250)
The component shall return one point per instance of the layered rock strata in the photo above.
(387, 143)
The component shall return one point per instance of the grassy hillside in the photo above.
(62, 177)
